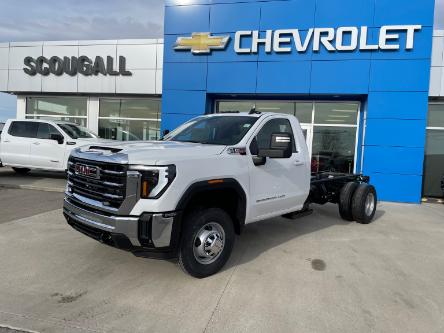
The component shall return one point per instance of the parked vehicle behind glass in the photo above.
(41, 144)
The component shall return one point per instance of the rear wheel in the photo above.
(207, 241)
(345, 201)
(364, 203)
(21, 171)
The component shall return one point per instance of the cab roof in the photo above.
(256, 114)
(45, 120)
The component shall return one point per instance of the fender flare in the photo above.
(215, 185)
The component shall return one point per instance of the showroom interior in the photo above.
(372, 111)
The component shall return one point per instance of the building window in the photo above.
(434, 152)
(330, 128)
(72, 109)
(130, 119)
(334, 136)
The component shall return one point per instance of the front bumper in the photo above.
(153, 235)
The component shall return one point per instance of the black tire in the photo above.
(21, 171)
(194, 224)
(363, 210)
(345, 201)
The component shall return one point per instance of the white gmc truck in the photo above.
(187, 195)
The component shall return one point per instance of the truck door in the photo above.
(46, 151)
(281, 184)
(16, 142)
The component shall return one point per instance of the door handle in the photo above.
(297, 162)
(6, 141)
(36, 143)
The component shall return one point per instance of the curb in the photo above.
(31, 187)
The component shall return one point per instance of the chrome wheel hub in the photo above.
(209, 243)
(369, 204)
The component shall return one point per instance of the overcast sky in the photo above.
(439, 14)
(32, 20)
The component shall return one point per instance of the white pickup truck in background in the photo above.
(41, 144)
(189, 194)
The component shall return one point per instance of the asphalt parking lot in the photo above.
(18, 203)
(315, 274)
(46, 181)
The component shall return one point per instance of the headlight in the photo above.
(154, 180)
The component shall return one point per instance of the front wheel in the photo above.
(21, 171)
(207, 241)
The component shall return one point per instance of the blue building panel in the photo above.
(185, 76)
(232, 77)
(344, 13)
(284, 77)
(395, 133)
(340, 77)
(288, 15)
(382, 159)
(234, 17)
(396, 187)
(400, 75)
(187, 19)
(391, 84)
(388, 12)
(183, 102)
(398, 105)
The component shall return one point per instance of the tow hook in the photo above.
(105, 238)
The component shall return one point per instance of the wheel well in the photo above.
(228, 198)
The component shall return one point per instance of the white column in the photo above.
(93, 114)
(21, 107)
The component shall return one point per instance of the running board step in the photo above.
(298, 214)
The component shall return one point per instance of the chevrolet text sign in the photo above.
(342, 39)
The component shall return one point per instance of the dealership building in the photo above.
(364, 77)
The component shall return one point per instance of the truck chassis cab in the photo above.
(188, 195)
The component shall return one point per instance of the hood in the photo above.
(153, 152)
(94, 140)
(80, 142)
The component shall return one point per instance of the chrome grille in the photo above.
(109, 187)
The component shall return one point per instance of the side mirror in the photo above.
(58, 137)
(281, 146)
(259, 160)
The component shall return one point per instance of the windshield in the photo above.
(223, 130)
(77, 132)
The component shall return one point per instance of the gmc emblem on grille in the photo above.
(87, 171)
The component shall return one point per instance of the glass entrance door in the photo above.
(434, 152)
(330, 128)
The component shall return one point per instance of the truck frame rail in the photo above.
(326, 186)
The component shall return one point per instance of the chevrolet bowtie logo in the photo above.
(201, 43)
